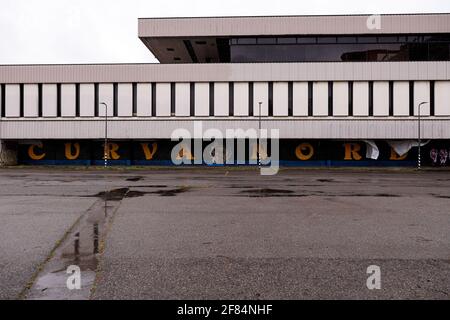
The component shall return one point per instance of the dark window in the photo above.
(250, 99)
(310, 98)
(172, 98)
(370, 98)
(246, 41)
(134, 99)
(2, 106)
(96, 100)
(153, 99)
(411, 98)
(266, 40)
(58, 100)
(306, 40)
(330, 98)
(286, 40)
(270, 99)
(347, 40)
(432, 98)
(211, 99)
(326, 40)
(40, 100)
(21, 100)
(115, 99)
(77, 100)
(192, 99)
(231, 99)
(290, 98)
(391, 98)
(350, 98)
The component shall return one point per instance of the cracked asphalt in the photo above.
(218, 233)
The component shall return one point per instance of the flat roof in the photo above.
(167, 38)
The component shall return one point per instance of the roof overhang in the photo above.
(185, 40)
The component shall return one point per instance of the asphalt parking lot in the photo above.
(214, 233)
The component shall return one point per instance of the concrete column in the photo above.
(8, 154)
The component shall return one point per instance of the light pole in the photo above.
(105, 149)
(418, 132)
(259, 140)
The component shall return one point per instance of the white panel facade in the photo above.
(261, 94)
(125, 100)
(163, 99)
(300, 99)
(442, 98)
(241, 98)
(320, 98)
(49, 100)
(360, 98)
(340, 98)
(68, 103)
(106, 95)
(202, 99)
(87, 100)
(422, 94)
(401, 98)
(221, 99)
(381, 98)
(12, 100)
(30, 100)
(280, 99)
(144, 99)
(182, 99)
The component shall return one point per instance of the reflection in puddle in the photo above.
(81, 248)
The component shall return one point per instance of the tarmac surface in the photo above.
(218, 233)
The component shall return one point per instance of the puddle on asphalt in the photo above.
(81, 248)
(134, 179)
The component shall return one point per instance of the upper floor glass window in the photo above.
(434, 47)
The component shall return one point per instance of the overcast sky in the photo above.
(105, 31)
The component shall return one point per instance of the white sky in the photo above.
(105, 31)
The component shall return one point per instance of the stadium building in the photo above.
(341, 90)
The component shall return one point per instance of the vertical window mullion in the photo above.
(250, 99)
(153, 99)
(21, 101)
(211, 99)
(350, 98)
(310, 99)
(330, 98)
(77, 100)
(115, 99)
(270, 112)
(290, 98)
(134, 99)
(192, 99)
(370, 98)
(432, 98)
(3, 104)
(391, 98)
(40, 100)
(231, 99)
(96, 100)
(172, 99)
(58, 100)
(411, 98)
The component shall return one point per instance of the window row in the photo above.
(220, 99)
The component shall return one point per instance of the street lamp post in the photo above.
(105, 149)
(259, 140)
(418, 132)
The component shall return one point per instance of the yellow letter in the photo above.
(351, 151)
(149, 153)
(68, 151)
(395, 156)
(32, 154)
(111, 151)
(185, 152)
(262, 152)
(302, 147)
